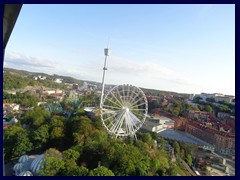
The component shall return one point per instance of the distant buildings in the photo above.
(75, 86)
(39, 77)
(212, 130)
(217, 97)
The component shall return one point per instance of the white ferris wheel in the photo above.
(123, 109)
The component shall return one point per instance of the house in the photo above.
(58, 80)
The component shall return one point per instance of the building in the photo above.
(222, 139)
(180, 124)
(191, 97)
(156, 123)
(10, 107)
(198, 115)
(28, 165)
(223, 115)
(228, 99)
(48, 92)
(230, 121)
(217, 97)
(58, 80)
(75, 86)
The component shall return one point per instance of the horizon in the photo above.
(122, 84)
(186, 49)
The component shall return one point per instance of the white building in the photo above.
(57, 80)
(191, 96)
(42, 77)
(157, 124)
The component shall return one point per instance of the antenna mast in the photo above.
(107, 52)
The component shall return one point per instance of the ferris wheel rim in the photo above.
(124, 110)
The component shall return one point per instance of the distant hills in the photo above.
(14, 79)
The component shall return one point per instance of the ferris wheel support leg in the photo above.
(135, 136)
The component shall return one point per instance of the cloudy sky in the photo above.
(180, 48)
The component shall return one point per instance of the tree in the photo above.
(223, 108)
(52, 166)
(182, 153)
(57, 121)
(52, 152)
(176, 111)
(71, 154)
(176, 147)
(172, 171)
(16, 142)
(146, 137)
(40, 137)
(36, 117)
(211, 100)
(75, 171)
(189, 159)
(53, 163)
(101, 171)
(57, 132)
(208, 108)
(163, 164)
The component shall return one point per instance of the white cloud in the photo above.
(121, 65)
(17, 59)
(146, 69)
(35, 64)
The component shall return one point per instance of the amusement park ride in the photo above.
(123, 109)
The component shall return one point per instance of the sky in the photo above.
(180, 48)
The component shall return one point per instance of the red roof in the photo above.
(209, 130)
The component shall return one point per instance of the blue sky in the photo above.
(180, 48)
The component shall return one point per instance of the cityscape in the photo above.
(57, 123)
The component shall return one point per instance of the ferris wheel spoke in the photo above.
(117, 119)
(111, 114)
(137, 101)
(132, 122)
(141, 113)
(126, 123)
(131, 94)
(137, 105)
(123, 91)
(134, 117)
(138, 116)
(119, 95)
(137, 109)
(107, 99)
(118, 122)
(111, 107)
(126, 93)
(109, 117)
(119, 103)
(134, 98)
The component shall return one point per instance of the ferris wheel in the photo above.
(124, 110)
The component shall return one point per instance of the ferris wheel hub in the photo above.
(125, 109)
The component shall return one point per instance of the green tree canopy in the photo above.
(101, 171)
(189, 159)
(16, 142)
(71, 154)
(176, 147)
